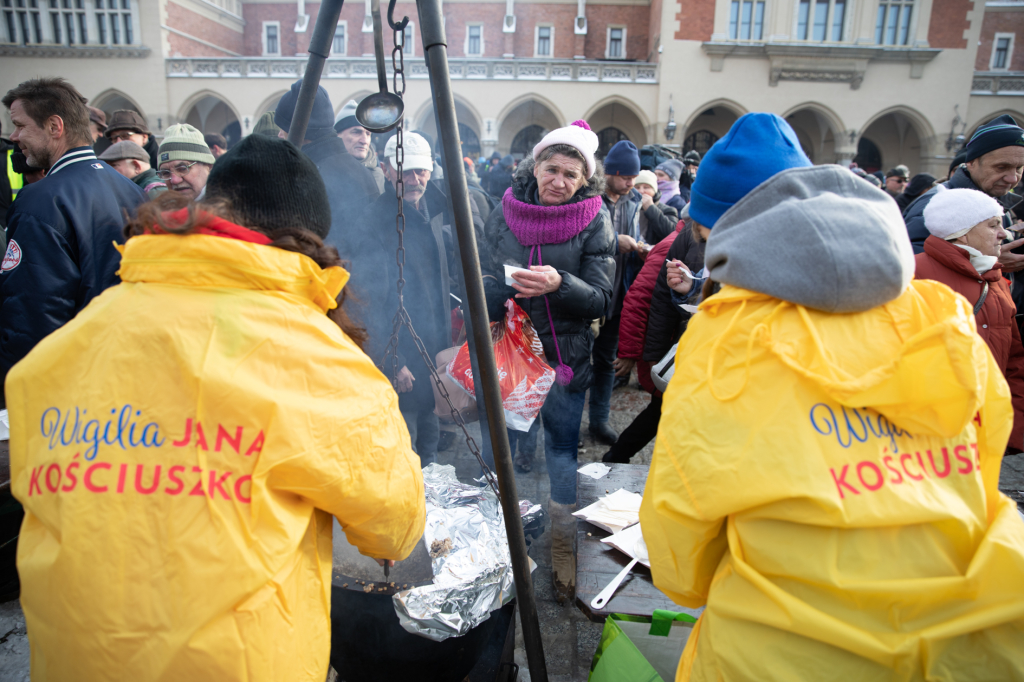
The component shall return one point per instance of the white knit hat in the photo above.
(952, 213)
(416, 150)
(646, 177)
(577, 135)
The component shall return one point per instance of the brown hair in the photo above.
(46, 97)
(294, 239)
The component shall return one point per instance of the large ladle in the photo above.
(381, 111)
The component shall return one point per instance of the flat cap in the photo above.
(125, 149)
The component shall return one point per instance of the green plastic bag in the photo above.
(641, 648)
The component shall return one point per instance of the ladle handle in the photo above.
(605, 595)
(378, 45)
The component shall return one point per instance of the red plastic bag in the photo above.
(525, 378)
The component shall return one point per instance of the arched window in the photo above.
(526, 139)
(701, 141)
(607, 138)
(868, 158)
(470, 141)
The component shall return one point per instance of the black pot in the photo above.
(368, 643)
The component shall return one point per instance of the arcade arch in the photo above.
(532, 114)
(113, 100)
(901, 136)
(819, 131)
(616, 120)
(714, 118)
(211, 114)
(467, 118)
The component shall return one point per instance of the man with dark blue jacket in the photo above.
(60, 252)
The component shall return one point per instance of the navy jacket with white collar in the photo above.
(60, 252)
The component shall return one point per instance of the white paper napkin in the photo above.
(625, 541)
(613, 512)
(595, 470)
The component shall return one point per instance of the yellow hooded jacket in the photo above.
(179, 448)
(827, 485)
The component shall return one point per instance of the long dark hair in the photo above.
(294, 239)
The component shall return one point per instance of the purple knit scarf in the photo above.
(534, 226)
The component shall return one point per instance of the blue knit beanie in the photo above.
(756, 147)
(622, 159)
(321, 120)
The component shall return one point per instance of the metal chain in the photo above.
(402, 315)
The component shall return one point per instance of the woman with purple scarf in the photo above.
(553, 223)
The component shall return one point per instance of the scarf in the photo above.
(534, 225)
(212, 225)
(668, 189)
(980, 261)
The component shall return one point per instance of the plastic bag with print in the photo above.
(525, 378)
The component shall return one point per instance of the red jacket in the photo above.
(951, 265)
(637, 305)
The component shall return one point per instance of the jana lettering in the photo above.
(99, 477)
(223, 436)
(871, 476)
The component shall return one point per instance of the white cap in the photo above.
(577, 135)
(417, 152)
(952, 213)
(646, 177)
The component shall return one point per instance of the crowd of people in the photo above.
(183, 320)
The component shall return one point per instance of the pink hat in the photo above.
(577, 135)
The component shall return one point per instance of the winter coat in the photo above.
(586, 264)
(666, 321)
(625, 217)
(496, 181)
(431, 278)
(951, 265)
(350, 185)
(151, 185)
(635, 309)
(679, 201)
(59, 253)
(825, 477)
(657, 221)
(180, 448)
(914, 213)
(372, 163)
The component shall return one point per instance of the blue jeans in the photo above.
(606, 345)
(563, 414)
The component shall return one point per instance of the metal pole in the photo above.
(435, 47)
(319, 48)
(474, 359)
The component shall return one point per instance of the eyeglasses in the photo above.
(121, 135)
(180, 170)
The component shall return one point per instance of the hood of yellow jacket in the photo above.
(209, 261)
(916, 359)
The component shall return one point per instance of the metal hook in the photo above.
(400, 26)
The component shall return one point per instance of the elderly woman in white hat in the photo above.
(962, 252)
(553, 225)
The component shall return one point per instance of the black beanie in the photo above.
(321, 119)
(998, 133)
(271, 185)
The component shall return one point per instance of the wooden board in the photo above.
(597, 563)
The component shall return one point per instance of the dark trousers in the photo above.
(605, 347)
(424, 431)
(638, 434)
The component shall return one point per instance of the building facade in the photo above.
(881, 82)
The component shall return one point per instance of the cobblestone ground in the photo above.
(569, 638)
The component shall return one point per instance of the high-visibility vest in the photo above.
(16, 179)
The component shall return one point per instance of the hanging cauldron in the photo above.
(368, 643)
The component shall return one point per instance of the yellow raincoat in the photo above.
(827, 485)
(179, 447)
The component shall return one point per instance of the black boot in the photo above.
(604, 433)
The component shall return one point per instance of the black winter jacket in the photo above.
(914, 215)
(665, 323)
(496, 181)
(658, 221)
(59, 252)
(586, 263)
(350, 185)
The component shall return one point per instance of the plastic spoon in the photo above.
(602, 599)
(381, 111)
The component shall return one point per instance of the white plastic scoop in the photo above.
(602, 599)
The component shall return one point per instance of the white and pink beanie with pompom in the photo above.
(577, 135)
